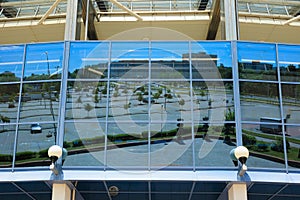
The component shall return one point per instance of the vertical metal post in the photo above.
(71, 20)
(87, 20)
(230, 19)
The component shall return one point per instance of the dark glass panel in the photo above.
(86, 100)
(211, 60)
(266, 148)
(40, 101)
(257, 61)
(289, 62)
(43, 61)
(11, 60)
(127, 145)
(88, 60)
(85, 142)
(9, 98)
(259, 101)
(129, 60)
(34, 141)
(171, 145)
(7, 138)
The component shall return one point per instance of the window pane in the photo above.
(130, 60)
(128, 101)
(170, 100)
(34, 141)
(289, 62)
(211, 99)
(291, 103)
(84, 141)
(86, 100)
(171, 145)
(9, 98)
(88, 60)
(7, 138)
(43, 61)
(212, 142)
(40, 102)
(11, 60)
(266, 149)
(170, 60)
(292, 143)
(127, 145)
(257, 61)
(211, 60)
(259, 100)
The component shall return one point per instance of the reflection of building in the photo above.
(119, 119)
(258, 66)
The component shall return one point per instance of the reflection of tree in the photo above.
(88, 107)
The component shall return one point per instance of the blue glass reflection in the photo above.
(43, 61)
(11, 60)
(289, 62)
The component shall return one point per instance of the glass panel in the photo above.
(43, 61)
(266, 149)
(86, 99)
(293, 146)
(211, 98)
(212, 142)
(40, 102)
(127, 145)
(34, 141)
(128, 101)
(84, 141)
(289, 62)
(11, 60)
(88, 60)
(170, 101)
(291, 103)
(211, 60)
(7, 138)
(170, 60)
(9, 98)
(130, 60)
(171, 145)
(257, 61)
(259, 101)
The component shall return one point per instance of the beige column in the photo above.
(61, 191)
(237, 191)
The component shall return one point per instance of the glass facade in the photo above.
(150, 104)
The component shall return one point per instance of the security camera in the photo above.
(54, 152)
(240, 154)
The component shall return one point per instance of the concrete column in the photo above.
(61, 191)
(237, 191)
(72, 27)
(230, 17)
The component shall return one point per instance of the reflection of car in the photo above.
(35, 128)
(146, 100)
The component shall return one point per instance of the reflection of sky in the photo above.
(11, 58)
(83, 54)
(40, 56)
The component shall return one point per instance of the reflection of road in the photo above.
(218, 157)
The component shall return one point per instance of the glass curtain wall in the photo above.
(150, 104)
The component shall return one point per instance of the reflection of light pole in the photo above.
(161, 117)
(46, 53)
(50, 96)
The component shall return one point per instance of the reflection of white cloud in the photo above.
(42, 61)
(5, 48)
(11, 63)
